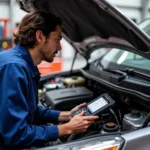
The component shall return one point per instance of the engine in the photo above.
(64, 93)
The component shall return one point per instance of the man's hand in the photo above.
(80, 123)
(77, 107)
(77, 124)
(67, 115)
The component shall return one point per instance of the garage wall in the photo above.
(4, 13)
(17, 13)
(131, 13)
(16, 16)
(126, 3)
(131, 8)
(4, 10)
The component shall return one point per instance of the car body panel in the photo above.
(137, 140)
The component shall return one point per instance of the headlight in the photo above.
(113, 144)
(98, 143)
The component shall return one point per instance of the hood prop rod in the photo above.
(74, 58)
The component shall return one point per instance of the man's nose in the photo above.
(59, 47)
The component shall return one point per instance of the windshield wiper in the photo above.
(124, 74)
(132, 72)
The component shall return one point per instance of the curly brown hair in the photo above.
(33, 21)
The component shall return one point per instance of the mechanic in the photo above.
(37, 39)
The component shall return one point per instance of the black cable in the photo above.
(120, 116)
(111, 110)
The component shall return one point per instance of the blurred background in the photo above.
(11, 15)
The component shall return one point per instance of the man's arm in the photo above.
(50, 115)
(46, 115)
(64, 116)
(14, 111)
(55, 116)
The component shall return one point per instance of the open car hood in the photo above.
(85, 18)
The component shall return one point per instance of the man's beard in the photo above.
(45, 58)
(48, 59)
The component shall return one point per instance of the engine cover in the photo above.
(63, 99)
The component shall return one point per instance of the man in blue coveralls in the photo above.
(37, 39)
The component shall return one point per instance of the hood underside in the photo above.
(86, 18)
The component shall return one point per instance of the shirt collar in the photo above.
(27, 57)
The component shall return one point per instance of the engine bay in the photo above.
(63, 92)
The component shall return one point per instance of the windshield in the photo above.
(122, 59)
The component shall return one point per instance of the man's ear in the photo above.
(39, 36)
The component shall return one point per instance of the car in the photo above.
(116, 85)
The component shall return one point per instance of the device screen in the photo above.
(96, 105)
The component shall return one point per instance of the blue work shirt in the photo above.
(18, 102)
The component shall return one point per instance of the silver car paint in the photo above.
(137, 140)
